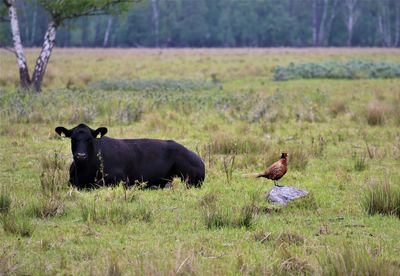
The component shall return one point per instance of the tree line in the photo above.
(219, 23)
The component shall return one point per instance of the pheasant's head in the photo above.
(284, 155)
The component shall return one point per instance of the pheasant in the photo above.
(276, 170)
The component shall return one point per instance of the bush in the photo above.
(382, 198)
(353, 69)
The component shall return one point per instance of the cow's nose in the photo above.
(80, 156)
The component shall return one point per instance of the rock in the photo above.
(284, 194)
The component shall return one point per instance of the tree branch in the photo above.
(94, 11)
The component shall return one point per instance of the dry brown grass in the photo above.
(376, 113)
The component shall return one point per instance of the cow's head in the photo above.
(82, 138)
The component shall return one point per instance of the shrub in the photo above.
(382, 198)
(353, 69)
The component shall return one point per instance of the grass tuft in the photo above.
(5, 203)
(355, 260)
(375, 113)
(114, 212)
(18, 225)
(298, 158)
(219, 217)
(46, 208)
(360, 163)
(382, 197)
(53, 178)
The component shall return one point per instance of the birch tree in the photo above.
(59, 11)
(352, 14)
(322, 20)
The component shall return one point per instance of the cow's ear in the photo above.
(60, 130)
(101, 130)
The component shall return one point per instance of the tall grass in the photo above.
(5, 203)
(376, 113)
(355, 260)
(381, 197)
(219, 216)
(17, 224)
(54, 175)
(114, 212)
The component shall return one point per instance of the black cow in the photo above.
(107, 161)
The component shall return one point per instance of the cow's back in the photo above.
(148, 160)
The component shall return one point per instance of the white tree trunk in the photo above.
(156, 21)
(397, 27)
(322, 24)
(108, 30)
(352, 16)
(315, 23)
(19, 50)
(44, 57)
(384, 24)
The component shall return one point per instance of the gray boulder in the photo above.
(284, 194)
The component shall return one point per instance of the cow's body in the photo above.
(154, 162)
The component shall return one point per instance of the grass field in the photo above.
(343, 137)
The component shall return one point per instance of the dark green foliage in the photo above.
(382, 198)
(205, 23)
(353, 69)
(164, 85)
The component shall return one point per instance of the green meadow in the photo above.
(343, 137)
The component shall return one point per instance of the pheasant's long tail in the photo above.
(255, 175)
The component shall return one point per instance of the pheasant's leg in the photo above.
(276, 184)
